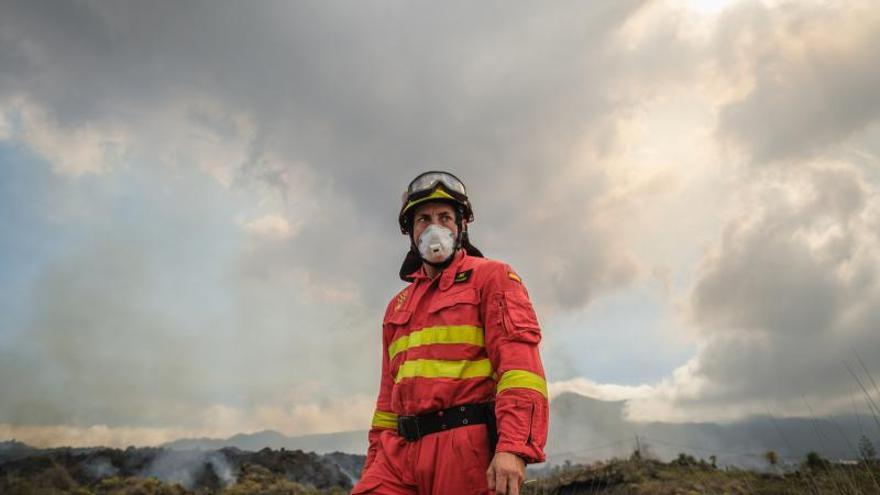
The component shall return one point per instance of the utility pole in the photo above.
(638, 448)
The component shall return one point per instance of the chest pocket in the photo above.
(395, 325)
(465, 298)
(398, 318)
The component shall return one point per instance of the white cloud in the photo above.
(71, 150)
(216, 421)
(782, 300)
(97, 435)
(271, 227)
(341, 414)
(811, 88)
(601, 391)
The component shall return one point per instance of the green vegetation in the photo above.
(635, 476)
(141, 471)
(253, 480)
(687, 475)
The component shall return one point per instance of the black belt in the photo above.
(413, 428)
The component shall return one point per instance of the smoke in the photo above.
(191, 468)
(100, 467)
(222, 468)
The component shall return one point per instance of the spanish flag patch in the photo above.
(513, 276)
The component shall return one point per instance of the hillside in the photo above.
(687, 475)
(234, 472)
(106, 470)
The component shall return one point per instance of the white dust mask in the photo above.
(436, 244)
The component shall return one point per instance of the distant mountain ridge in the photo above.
(583, 428)
(352, 442)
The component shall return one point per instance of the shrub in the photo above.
(816, 462)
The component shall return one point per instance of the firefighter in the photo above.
(462, 404)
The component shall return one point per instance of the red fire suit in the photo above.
(468, 336)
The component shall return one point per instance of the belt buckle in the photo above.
(408, 428)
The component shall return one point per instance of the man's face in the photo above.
(429, 213)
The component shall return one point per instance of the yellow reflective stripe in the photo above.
(382, 419)
(522, 379)
(450, 334)
(437, 193)
(438, 368)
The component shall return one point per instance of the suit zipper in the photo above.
(531, 420)
(501, 310)
(504, 319)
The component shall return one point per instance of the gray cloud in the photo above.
(791, 292)
(320, 112)
(813, 69)
(365, 97)
(341, 105)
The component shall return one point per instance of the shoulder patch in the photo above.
(513, 276)
(464, 276)
(401, 298)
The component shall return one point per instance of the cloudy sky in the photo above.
(198, 202)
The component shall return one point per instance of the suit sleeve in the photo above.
(383, 418)
(512, 338)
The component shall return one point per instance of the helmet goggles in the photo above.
(425, 183)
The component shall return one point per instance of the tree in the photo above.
(866, 449)
(685, 460)
(816, 462)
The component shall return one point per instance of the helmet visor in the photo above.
(429, 180)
